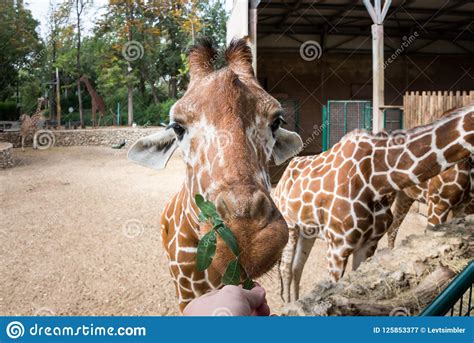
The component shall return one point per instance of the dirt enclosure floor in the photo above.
(80, 236)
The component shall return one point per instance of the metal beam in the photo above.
(449, 9)
(355, 30)
(352, 51)
(320, 6)
(295, 6)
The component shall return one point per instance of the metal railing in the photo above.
(456, 298)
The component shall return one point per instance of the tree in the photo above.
(80, 7)
(19, 44)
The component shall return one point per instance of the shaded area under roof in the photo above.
(432, 27)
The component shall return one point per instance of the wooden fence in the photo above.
(421, 108)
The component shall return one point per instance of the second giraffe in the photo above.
(342, 194)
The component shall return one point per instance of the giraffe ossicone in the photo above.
(227, 128)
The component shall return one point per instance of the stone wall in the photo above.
(101, 136)
(6, 160)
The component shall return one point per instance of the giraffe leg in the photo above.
(35, 141)
(22, 143)
(93, 114)
(437, 213)
(401, 207)
(303, 249)
(286, 262)
(337, 256)
(363, 253)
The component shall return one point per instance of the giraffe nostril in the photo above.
(261, 206)
(224, 204)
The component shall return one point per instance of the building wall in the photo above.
(343, 77)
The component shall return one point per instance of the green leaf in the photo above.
(248, 284)
(228, 237)
(206, 250)
(207, 208)
(232, 273)
(202, 217)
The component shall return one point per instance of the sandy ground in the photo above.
(80, 236)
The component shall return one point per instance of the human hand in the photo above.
(230, 301)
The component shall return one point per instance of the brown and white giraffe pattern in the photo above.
(452, 190)
(342, 194)
(30, 125)
(227, 128)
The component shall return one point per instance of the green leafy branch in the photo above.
(206, 249)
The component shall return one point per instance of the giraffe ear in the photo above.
(287, 145)
(155, 150)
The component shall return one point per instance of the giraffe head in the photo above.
(228, 128)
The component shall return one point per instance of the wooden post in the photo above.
(378, 78)
(58, 99)
(377, 13)
(253, 33)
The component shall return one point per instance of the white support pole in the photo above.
(386, 6)
(377, 13)
(253, 36)
(378, 78)
(371, 10)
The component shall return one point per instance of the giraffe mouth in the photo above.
(260, 248)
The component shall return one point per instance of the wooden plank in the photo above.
(424, 107)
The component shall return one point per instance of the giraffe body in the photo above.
(227, 128)
(31, 124)
(98, 104)
(342, 195)
(452, 190)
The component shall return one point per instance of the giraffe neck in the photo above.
(89, 87)
(410, 157)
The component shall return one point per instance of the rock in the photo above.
(407, 277)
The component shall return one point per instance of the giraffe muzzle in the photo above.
(259, 227)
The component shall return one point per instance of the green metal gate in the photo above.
(456, 298)
(392, 118)
(343, 116)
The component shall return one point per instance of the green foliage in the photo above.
(207, 245)
(20, 44)
(206, 250)
(165, 30)
(8, 110)
(232, 273)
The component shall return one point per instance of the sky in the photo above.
(39, 9)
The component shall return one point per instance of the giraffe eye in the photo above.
(178, 130)
(277, 124)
